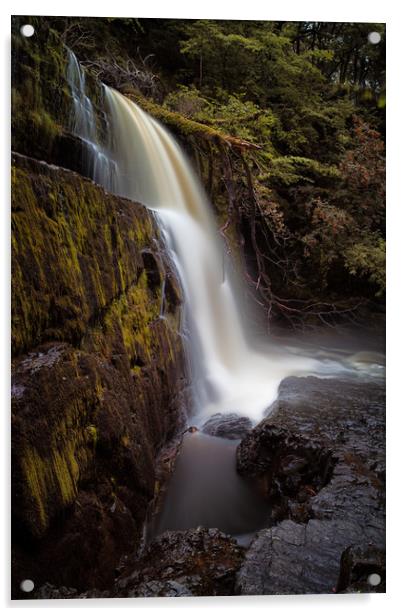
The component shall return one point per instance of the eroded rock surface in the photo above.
(320, 454)
(197, 562)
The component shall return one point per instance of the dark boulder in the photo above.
(320, 458)
(230, 426)
(196, 562)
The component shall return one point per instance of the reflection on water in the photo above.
(205, 490)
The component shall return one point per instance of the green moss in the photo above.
(131, 320)
(74, 249)
(66, 471)
(133, 314)
(40, 103)
(52, 468)
(54, 477)
(77, 269)
(34, 473)
(93, 435)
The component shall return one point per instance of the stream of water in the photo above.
(229, 372)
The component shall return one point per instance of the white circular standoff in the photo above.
(374, 579)
(374, 38)
(27, 30)
(27, 585)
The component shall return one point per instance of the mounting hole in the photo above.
(374, 579)
(27, 30)
(27, 585)
(374, 38)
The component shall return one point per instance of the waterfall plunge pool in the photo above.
(206, 490)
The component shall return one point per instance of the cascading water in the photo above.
(98, 163)
(227, 374)
(141, 161)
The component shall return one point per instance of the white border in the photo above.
(295, 10)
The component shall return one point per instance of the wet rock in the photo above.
(290, 468)
(76, 250)
(164, 468)
(320, 457)
(293, 558)
(48, 591)
(153, 270)
(196, 562)
(168, 588)
(230, 426)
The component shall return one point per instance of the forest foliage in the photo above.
(311, 95)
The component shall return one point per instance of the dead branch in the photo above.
(120, 73)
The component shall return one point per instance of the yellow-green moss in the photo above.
(40, 103)
(51, 475)
(46, 479)
(93, 435)
(65, 469)
(34, 472)
(72, 252)
(125, 440)
(133, 314)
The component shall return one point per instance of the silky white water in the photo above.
(98, 164)
(227, 374)
(143, 162)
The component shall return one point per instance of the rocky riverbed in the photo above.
(318, 458)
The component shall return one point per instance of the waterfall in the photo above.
(227, 373)
(98, 162)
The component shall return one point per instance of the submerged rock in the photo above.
(196, 562)
(320, 457)
(230, 426)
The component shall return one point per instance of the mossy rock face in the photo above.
(75, 248)
(40, 97)
(85, 433)
(41, 101)
(52, 450)
(98, 372)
